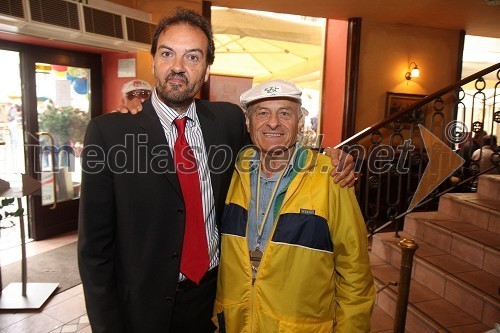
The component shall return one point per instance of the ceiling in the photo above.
(475, 17)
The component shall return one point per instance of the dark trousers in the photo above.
(194, 308)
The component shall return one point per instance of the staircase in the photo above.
(455, 284)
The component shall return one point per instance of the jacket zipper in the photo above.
(254, 278)
(252, 306)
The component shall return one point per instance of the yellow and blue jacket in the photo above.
(315, 272)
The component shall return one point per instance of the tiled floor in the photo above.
(62, 313)
(65, 312)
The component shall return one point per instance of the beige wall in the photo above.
(386, 50)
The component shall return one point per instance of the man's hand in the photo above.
(133, 106)
(344, 164)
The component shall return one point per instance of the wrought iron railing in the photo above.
(391, 157)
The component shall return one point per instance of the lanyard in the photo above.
(257, 203)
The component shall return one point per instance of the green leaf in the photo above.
(18, 212)
(7, 202)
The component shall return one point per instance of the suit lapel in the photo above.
(161, 156)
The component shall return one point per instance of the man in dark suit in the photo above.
(133, 206)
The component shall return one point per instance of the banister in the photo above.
(361, 134)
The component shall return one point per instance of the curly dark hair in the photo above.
(190, 17)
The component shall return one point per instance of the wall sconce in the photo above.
(412, 71)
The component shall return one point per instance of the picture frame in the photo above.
(228, 88)
(395, 102)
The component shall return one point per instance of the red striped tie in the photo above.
(194, 259)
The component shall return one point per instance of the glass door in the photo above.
(60, 92)
(63, 108)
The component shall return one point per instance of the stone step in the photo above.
(466, 241)
(489, 187)
(455, 284)
(472, 208)
(426, 312)
(450, 278)
(381, 322)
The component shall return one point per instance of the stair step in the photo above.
(464, 240)
(455, 284)
(447, 276)
(381, 322)
(489, 186)
(427, 311)
(472, 208)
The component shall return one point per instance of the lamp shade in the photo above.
(415, 72)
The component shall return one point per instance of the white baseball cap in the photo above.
(135, 85)
(271, 89)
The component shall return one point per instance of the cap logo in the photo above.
(272, 90)
(137, 83)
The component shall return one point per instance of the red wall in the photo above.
(111, 83)
(334, 82)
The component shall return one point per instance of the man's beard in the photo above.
(172, 95)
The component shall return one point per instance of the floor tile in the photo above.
(427, 250)
(67, 310)
(484, 281)
(37, 323)
(451, 264)
(71, 328)
(458, 226)
(445, 313)
(86, 329)
(376, 260)
(385, 273)
(420, 293)
(381, 321)
(469, 328)
(9, 317)
(484, 237)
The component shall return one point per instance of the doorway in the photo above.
(280, 46)
(52, 94)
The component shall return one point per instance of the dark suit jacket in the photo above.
(132, 213)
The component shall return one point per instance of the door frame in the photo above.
(39, 227)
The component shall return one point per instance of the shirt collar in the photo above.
(255, 161)
(169, 114)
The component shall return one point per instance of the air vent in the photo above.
(102, 23)
(56, 12)
(98, 23)
(12, 8)
(139, 31)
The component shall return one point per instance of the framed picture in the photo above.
(228, 88)
(395, 102)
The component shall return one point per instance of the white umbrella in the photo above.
(264, 47)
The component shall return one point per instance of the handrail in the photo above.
(451, 188)
(387, 185)
(419, 103)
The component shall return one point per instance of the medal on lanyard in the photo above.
(256, 254)
(255, 257)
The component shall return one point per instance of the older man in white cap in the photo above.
(136, 89)
(294, 254)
